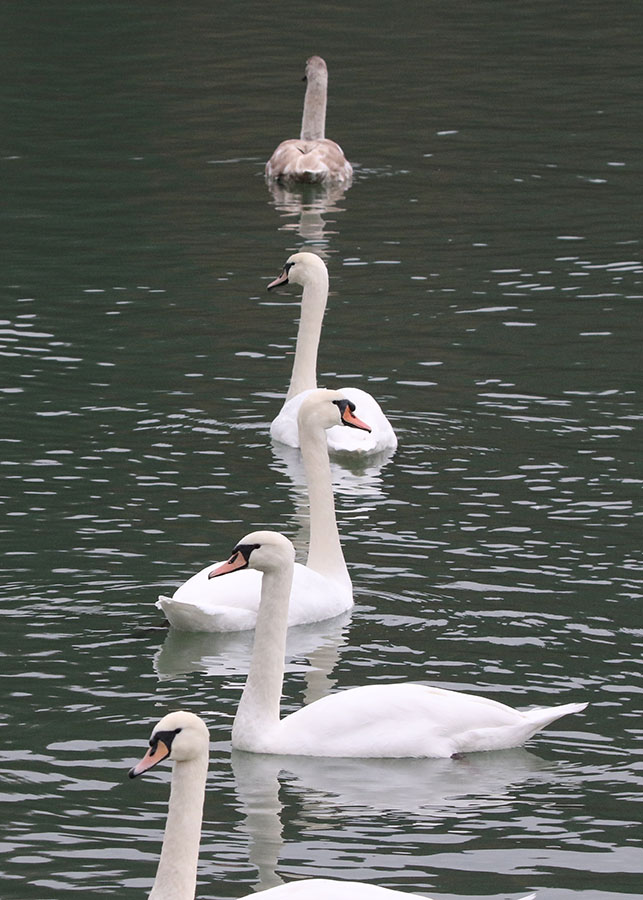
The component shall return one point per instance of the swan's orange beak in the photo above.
(158, 751)
(349, 418)
(281, 279)
(236, 561)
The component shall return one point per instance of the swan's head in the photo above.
(327, 408)
(302, 268)
(316, 69)
(180, 736)
(261, 550)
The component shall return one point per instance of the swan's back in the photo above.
(381, 438)
(231, 604)
(326, 889)
(408, 720)
(309, 162)
(313, 157)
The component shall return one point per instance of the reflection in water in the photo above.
(353, 477)
(228, 653)
(305, 207)
(352, 474)
(505, 323)
(434, 789)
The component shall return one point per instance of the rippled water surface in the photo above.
(486, 285)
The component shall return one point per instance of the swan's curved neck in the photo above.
(313, 120)
(258, 710)
(324, 549)
(313, 304)
(176, 873)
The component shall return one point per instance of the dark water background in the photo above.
(486, 278)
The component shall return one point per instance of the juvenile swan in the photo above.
(309, 270)
(312, 158)
(322, 588)
(183, 738)
(382, 720)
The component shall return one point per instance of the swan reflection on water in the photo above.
(305, 209)
(229, 653)
(433, 789)
(352, 475)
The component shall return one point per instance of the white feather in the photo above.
(176, 874)
(321, 588)
(382, 720)
(309, 270)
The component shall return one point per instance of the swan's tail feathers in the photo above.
(191, 617)
(515, 734)
(540, 718)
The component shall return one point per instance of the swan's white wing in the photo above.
(406, 720)
(327, 889)
(284, 428)
(381, 437)
(230, 603)
(340, 439)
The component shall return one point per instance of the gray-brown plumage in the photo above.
(312, 157)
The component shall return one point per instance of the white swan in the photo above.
(309, 270)
(183, 738)
(322, 588)
(327, 889)
(385, 720)
(312, 158)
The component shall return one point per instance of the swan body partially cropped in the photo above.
(182, 737)
(313, 157)
(328, 889)
(382, 720)
(322, 588)
(309, 270)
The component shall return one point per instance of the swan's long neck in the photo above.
(313, 120)
(258, 710)
(324, 549)
(313, 304)
(176, 873)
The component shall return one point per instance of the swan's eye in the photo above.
(288, 267)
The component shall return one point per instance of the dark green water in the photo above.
(486, 277)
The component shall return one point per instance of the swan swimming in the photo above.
(313, 157)
(322, 588)
(377, 720)
(182, 737)
(309, 270)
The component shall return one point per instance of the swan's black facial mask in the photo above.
(283, 278)
(239, 560)
(160, 749)
(347, 412)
